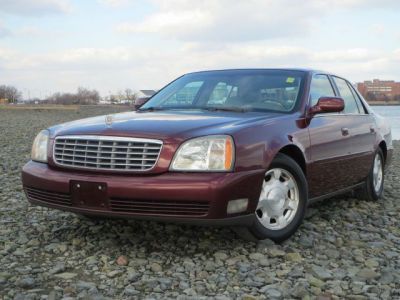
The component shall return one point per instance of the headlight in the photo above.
(209, 153)
(39, 147)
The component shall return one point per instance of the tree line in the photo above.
(82, 96)
(9, 94)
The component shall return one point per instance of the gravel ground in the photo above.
(346, 248)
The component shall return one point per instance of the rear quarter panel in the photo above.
(384, 133)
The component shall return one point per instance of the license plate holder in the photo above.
(89, 194)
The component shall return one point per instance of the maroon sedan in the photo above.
(246, 148)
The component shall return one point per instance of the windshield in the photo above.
(237, 90)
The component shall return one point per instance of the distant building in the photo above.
(146, 93)
(105, 101)
(380, 90)
(143, 96)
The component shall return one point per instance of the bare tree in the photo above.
(86, 96)
(83, 96)
(131, 96)
(10, 93)
(114, 99)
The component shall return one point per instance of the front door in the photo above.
(330, 153)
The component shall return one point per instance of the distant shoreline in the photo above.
(383, 103)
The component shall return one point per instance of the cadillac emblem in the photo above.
(109, 120)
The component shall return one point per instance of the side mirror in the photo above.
(327, 105)
(140, 101)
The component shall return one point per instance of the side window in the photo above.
(185, 96)
(320, 87)
(350, 104)
(358, 100)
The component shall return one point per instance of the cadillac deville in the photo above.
(247, 148)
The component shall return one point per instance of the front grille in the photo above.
(157, 207)
(48, 196)
(106, 152)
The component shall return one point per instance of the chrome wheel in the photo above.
(378, 173)
(279, 199)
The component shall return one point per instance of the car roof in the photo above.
(307, 70)
(310, 71)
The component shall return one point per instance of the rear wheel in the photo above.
(282, 203)
(372, 189)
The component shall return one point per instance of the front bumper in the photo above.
(195, 198)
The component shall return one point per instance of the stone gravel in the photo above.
(347, 248)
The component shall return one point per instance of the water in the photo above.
(392, 114)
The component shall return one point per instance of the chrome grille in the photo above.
(106, 152)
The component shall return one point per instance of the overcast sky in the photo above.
(109, 45)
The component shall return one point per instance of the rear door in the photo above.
(361, 131)
(330, 143)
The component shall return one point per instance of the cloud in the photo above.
(222, 20)
(195, 35)
(354, 55)
(34, 8)
(377, 29)
(114, 3)
(112, 69)
(7, 54)
(226, 20)
(4, 31)
(29, 31)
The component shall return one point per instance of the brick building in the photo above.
(380, 90)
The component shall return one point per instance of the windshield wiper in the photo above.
(229, 108)
(209, 108)
(151, 108)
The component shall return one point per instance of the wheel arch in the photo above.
(296, 154)
(383, 147)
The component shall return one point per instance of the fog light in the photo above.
(237, 206)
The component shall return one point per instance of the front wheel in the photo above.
(282, 203)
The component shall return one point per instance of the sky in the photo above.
(48, 46)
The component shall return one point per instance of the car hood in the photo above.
(162, 125)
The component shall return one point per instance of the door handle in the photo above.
(345, 131)
(372, 129)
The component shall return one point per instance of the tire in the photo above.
(371, 190)
(284, 194)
